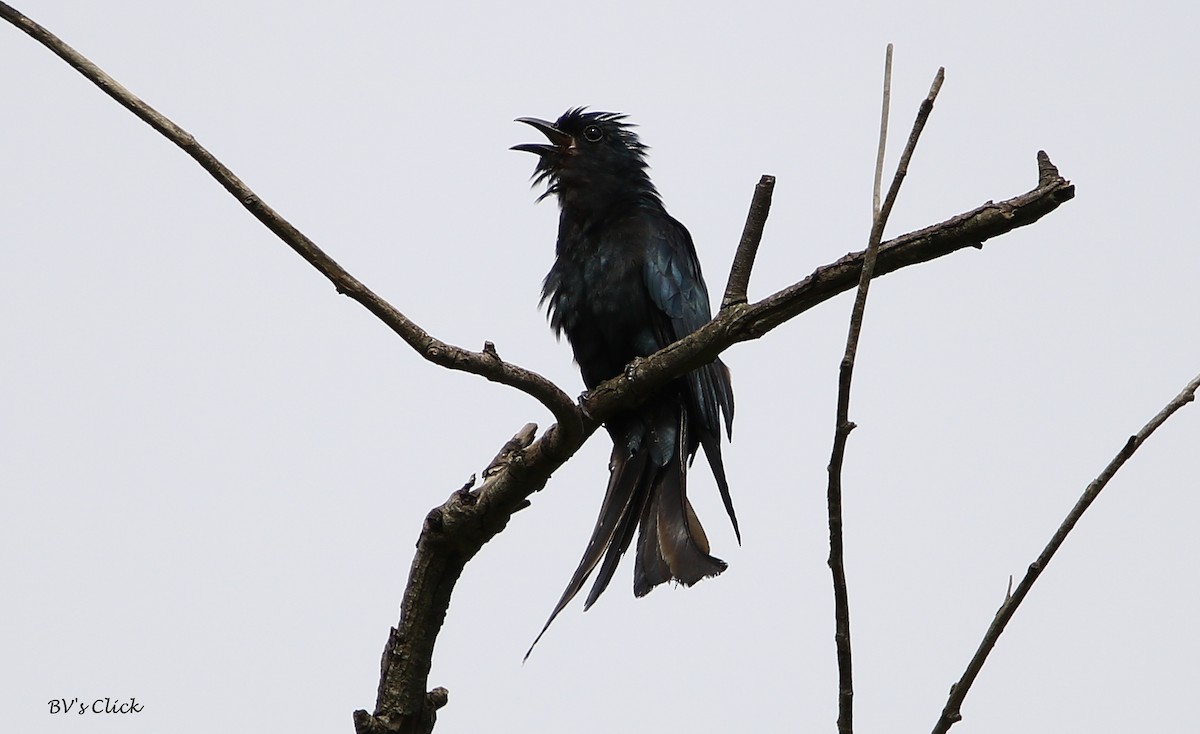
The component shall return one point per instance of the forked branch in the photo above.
(485, 363)
(453, 532)
(843, 425)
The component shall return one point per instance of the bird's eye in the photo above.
(593, 133)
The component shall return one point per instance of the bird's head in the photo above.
(593, 159)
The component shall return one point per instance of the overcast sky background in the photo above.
(215, 468)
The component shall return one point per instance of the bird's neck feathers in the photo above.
(597, 202)
(599, 196)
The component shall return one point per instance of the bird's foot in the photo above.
(632, 368)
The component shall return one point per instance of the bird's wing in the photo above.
(676, 286)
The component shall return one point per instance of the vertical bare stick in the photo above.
(951, 714)
(883, 127)
(844, 426)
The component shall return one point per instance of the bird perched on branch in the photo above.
(626, 283)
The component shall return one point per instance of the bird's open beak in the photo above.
(561, 142)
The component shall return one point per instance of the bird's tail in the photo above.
(672, 543)
(647, 487)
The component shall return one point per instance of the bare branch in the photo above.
(443, 549)
(952, 713)
(484, 364)
(750, 321)
(743, 259)
(843, 424)
(970, 229)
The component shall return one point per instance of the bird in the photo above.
(625, 283)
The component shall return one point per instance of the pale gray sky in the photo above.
(215, 468)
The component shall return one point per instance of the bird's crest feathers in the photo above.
(593, 156)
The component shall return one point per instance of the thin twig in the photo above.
(743, 259)
(844, 426)
(883, 130)
(952, 713)
(436, 351)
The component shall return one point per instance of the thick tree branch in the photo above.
(450, 535)
(952, 713)
(485, 363)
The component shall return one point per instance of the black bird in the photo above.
(626, 283)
